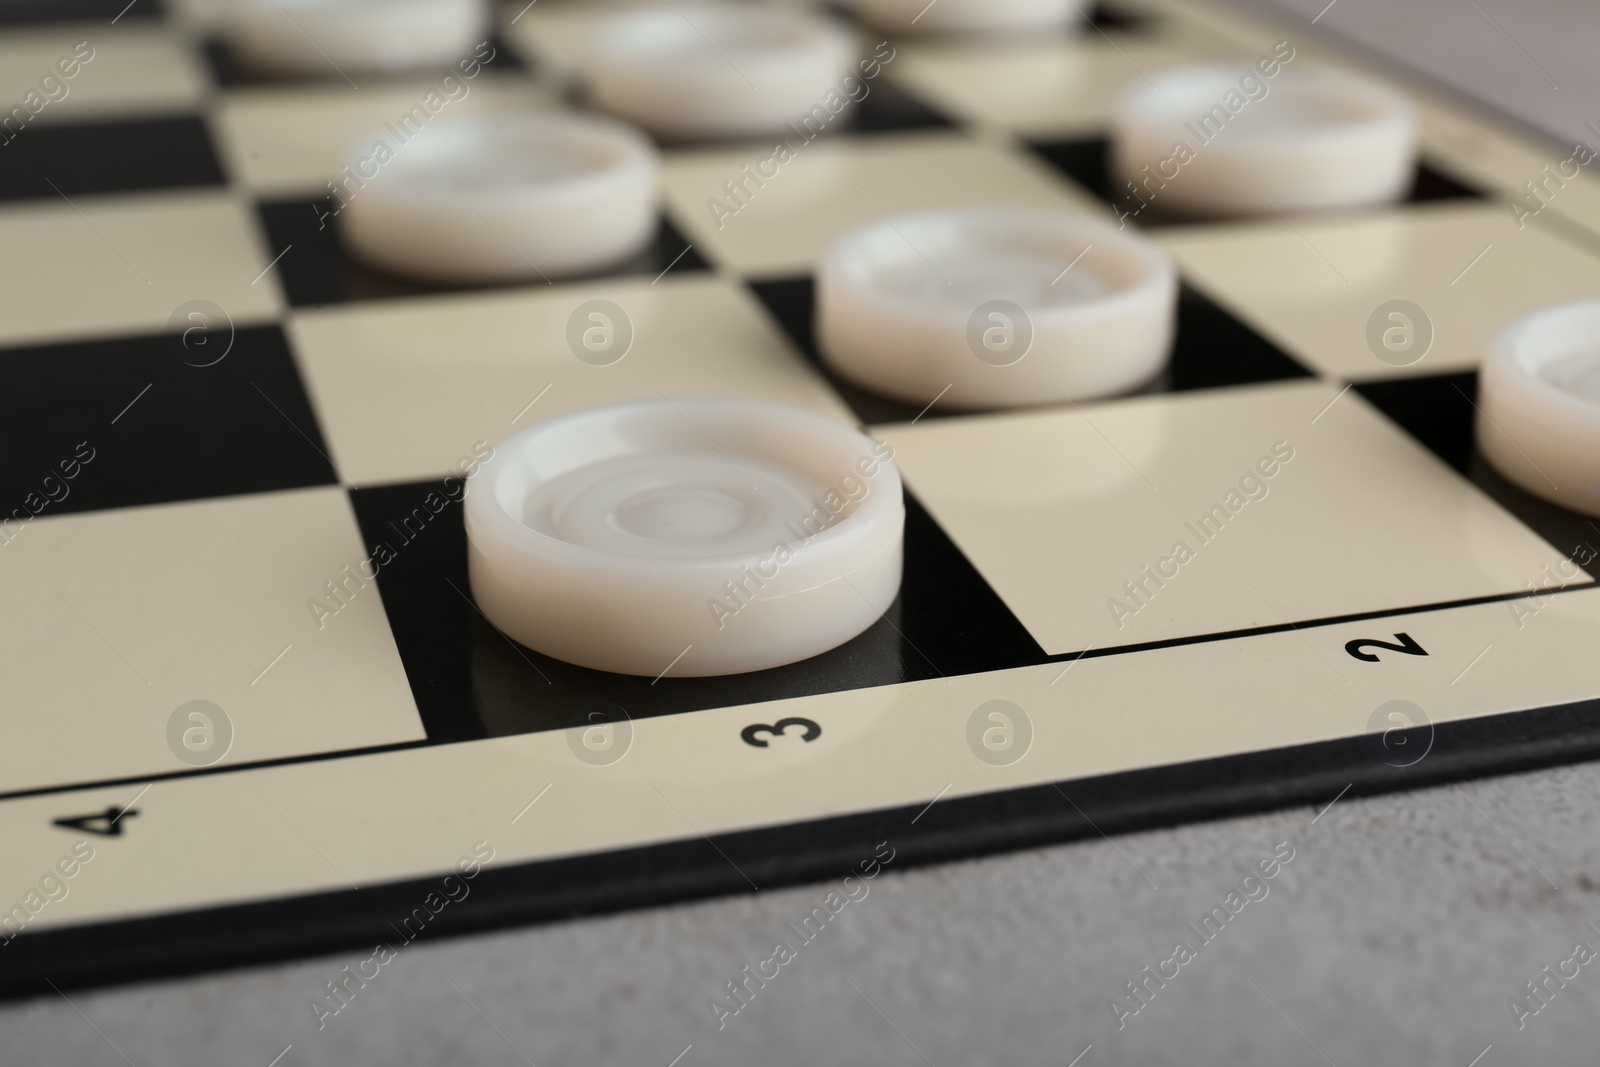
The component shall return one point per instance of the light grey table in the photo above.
(1398, 934)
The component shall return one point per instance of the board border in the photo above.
(299, 927)
(1092, 652)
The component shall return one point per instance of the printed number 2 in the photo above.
(1402, 643)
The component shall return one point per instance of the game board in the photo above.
(243, 750)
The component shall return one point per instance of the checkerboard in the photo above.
(1364, 605)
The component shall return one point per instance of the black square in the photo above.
(228, 72)
(792, 302)
(888, 107)
(1111, 17)
(318, 271)
(106, 157)
(1438, 410)
(1214, 349)
(471, 681)
(1086, 161)
(160, 429)
(1430, 184)
(24, 12)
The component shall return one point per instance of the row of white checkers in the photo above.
(305, 37)
(703, 537)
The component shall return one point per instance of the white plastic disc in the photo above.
(505, 197)
(711, 536)
(995, 308)
(329, 37)
(720, 70)
(1227, 140)
(903, 17)
(1539, 405)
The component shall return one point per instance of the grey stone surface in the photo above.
(1397, 934)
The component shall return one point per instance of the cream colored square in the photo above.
(403, 390)
(1051, 87)
(835, 185)
(122, 264)
(131, 71)
(291, 141)
(1311, 286)
(1060, 508)
(115, 618)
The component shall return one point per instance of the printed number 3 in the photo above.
(751, 734)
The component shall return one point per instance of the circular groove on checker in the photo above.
(696, 536)
(994, 308)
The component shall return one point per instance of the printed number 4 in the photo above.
(107, 823)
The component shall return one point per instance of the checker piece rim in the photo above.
(605, 537)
